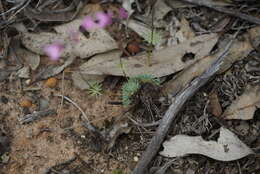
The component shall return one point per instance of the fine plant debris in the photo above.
(129, 86)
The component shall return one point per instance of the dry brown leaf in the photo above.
(164, 62)
(245, 105)
(227, 148)
(238, 51)
(99, 41)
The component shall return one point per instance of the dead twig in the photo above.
(87, 123)
(176, 106)
(210, 4)
(36, 116)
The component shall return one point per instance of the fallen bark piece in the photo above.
(227, 148)
(164, 62)
(245, 105)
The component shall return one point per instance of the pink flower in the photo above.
(88, 23)
(54, 50)
(101, 21)
(123, 13)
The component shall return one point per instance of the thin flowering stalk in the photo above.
(53, 51)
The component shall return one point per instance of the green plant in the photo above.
(117, 171)
(95, 88)
(133, 84)
(129, 89)
(153, 37)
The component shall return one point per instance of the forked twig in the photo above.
(176, 106)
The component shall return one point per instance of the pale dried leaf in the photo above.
(53, 70)
(30, 58)
(245, 105)
(238, 51)
(185, 32)
(99, 41)
(161, 9)
(127, 4)
(82, 81)
(164, 62)
(227, 148)
(24, 72)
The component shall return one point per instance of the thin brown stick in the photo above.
(210, 4)
(174, 109)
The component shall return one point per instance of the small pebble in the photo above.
(136, 159)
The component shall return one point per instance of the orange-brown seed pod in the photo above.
(25, 103)
(133, 48)
(51, 82)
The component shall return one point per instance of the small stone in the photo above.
(136, 159)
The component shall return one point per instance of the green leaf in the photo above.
(95, 88)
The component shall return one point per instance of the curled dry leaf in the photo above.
(99, 41)
(227, 148)
(164, 62)
(245, 105)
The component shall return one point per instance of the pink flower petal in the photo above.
(103, 19)
(123, 13)
(54, 50)
(88, 23)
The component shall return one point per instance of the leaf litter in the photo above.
(187, 55)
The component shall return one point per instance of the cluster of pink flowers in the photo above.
(101, 20)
